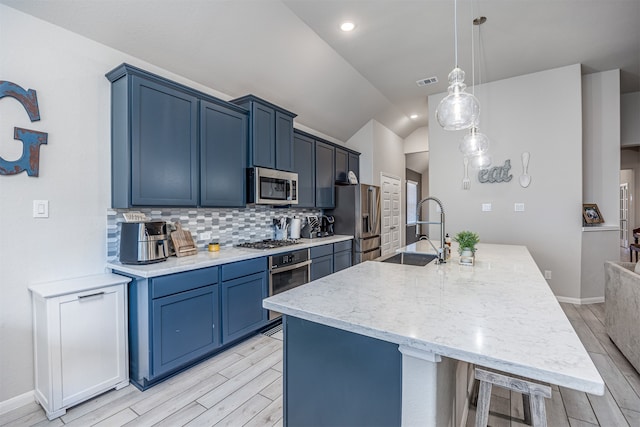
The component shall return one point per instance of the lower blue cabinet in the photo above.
(185, 327)
(242, 311)
(244, 286)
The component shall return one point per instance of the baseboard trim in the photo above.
(16, 402)
(580, 301)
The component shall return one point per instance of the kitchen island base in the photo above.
(335, 377)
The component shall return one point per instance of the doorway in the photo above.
(624, 215)
(391, 211)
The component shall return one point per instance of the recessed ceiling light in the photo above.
(347, 26)
(413, 116)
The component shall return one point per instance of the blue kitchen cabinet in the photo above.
(345, 161)
(223, 142)
(321, 261)
(270, 134)
(342, 166)
(354, 164)
(325, 175)
(342, 255)
(184, 318)
(154, 141)
(172, 145)
(304, 164)
(244, 286)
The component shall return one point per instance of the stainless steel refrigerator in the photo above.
(357, 212)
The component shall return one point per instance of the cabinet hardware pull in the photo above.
(90, 295)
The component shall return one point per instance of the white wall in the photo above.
(601, 177)
(539, 113)
(417, 141)
(362, 141)
(630, 119)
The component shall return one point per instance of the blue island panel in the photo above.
(337, 378)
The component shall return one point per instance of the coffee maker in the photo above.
(326, 225)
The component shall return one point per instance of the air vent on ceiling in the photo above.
(427, 81)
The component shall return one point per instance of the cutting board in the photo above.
(183, 242)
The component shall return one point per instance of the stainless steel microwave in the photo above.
(271, 187)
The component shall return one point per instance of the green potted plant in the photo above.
(467, 241)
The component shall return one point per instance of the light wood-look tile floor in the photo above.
(243, 387)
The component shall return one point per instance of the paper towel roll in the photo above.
(294, 228)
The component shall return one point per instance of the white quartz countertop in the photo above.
(205, 259)
(499, 313)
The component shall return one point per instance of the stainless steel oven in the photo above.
(286, 271)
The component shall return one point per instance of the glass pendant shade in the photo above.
(480, 161)
(459, 109)
(473, 143)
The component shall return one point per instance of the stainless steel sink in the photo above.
(410, 258)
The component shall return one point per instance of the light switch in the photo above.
(518, 207)
(486, 207)
(41, 209)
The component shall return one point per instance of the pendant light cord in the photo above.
(455, 26)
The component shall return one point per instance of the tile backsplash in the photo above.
(227, 226)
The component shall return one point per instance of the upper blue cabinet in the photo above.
(270, 134)
(172, 145)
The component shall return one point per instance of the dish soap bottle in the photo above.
(447, 243)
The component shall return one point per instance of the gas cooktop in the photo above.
(267, 244)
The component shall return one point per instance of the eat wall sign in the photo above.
(31, 140)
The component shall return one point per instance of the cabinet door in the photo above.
(342, 166)
(284, 142)
(341, 260)
(321, 266)
(242, 311)
(94, 322)
(164, 143)
(304, 165)
(185, 327)
(263, 135)
(223, 150)
(325, 195)
(354, 165)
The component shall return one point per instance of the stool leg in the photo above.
(538, 411)
(482, 408)
(526, 409)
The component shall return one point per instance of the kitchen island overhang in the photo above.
(499, 313)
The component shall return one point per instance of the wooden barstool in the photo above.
(536, 393)
(634, 247)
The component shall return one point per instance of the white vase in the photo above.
(466, 252)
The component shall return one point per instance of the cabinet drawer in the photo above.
(180, 282)
(318, 251)
(342, 246)
(243, 268)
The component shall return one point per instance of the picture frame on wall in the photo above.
(591, 214)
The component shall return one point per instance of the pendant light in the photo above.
(475, 144)
(459, 109)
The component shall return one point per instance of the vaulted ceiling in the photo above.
(292, 52)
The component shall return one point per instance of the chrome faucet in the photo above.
(443, 251)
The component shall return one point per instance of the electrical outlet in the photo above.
(486, 207)
(518, 207)
(547, 274)
(206, 236)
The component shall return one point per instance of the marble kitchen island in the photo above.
(383, 344)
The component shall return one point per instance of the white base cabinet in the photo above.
(80, 340)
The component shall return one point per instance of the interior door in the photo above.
(391, 211)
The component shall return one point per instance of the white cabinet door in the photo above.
(80, 339)
(91, 343)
